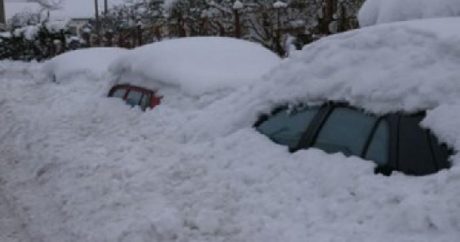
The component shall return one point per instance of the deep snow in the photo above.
(384, 11)
(83, 167)
(195, 65)
(91, 61)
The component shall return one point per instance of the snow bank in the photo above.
(196, 65)
(14, 69)
(383, 11)
(92, 62)
(82, 167)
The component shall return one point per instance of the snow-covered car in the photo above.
(89, 63)
(135, 96)
(76, 166)
(190, 69)
(390, 74)
(394, 141)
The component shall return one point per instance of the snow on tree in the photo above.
(269, 22)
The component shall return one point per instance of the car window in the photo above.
(379, 145)
(134, 97)
(346, 130)
(286, 127)
(415, 153)
(441, 152)
(120, 93)
(145, 101)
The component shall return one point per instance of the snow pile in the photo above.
(92, 62)
(383, 11)
(196, 65)
(406, 66)
(15, 69)
(82, 167)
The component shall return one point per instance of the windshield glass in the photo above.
(287, 126)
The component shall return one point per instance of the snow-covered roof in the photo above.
(90, 61)
(196, 65)
(383, 11)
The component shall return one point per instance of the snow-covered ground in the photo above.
(11, 227)
(79, 166)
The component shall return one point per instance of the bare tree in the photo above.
(2, 14)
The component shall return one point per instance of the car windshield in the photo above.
(287, 126)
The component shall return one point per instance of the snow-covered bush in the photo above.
(34, 42)
(266, 22)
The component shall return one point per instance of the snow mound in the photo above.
(384, 11)
(196, 65)
(91, 62)
(406, 66)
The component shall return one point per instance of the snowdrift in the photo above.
(384, 11)
(83, 167)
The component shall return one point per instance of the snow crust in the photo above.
(384, 11)
(195, 65)
(91, 62)
(79, 166)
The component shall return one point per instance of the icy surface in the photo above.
(384, 11)
(196, 65)
(82, 167)
(92, 62)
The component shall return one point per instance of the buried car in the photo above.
(199, 67)
(90, 171)
(394, 141)
(89, 63)
(373, 93)
(388, 86)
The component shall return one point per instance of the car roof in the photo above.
(195, 65)
(405, 66)
(89, 61)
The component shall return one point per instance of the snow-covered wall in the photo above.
(384, 11)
